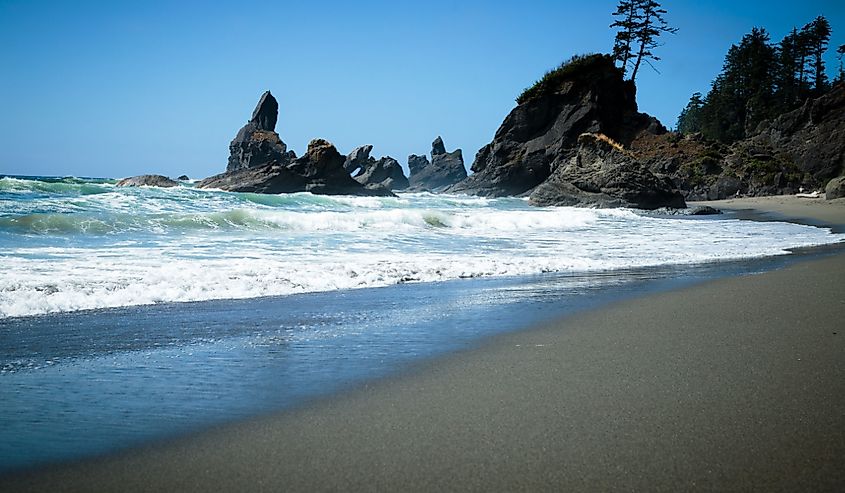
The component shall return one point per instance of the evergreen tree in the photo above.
(840, 53)
(652, 26)
(789, 60)
(640, 23)
(742, 95)
(628, 22)
(816, 38)
(689, 121)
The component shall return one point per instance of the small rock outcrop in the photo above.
(588, 94)
(183, 178)
(602, 174)
(257, 143)
(147, 181)
(366, 170)
(835, 188)
(319, 171)
(444, 170)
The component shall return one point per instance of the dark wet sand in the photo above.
(734, 384)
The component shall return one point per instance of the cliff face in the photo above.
(542, 131)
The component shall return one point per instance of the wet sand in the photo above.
(733, 384)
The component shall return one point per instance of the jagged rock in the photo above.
(444, 170)
(319, 171)
(835, 188)
(590, 95)
(266, 113)
(147, 181)
(603, 174)
(437, 147)
(257, 143)
(386, 172)
(357, 159)
(183, 178)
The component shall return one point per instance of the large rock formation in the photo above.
(257, 143)
(444, 170)
(386, 172)
(319, 171)
(804, 148)
(602, 174)
(587, 95)
(259, 162)
(147, 181)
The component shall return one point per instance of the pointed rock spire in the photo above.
(437, 147)
(266, 112)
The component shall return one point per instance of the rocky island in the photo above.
(260, 162)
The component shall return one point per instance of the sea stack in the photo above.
(444, 170)
(259, 162)
(257, 142)
(587, 94)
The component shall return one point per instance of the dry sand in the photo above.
(734, 384)
(811, 211)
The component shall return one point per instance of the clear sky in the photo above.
(119, 88)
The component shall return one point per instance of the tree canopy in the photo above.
(760, 80)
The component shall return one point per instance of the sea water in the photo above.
(134, 314)
(74, 244)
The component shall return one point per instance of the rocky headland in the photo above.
(260, 162)
(564, 143)
(444, 170)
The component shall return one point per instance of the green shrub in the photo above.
(576, 68)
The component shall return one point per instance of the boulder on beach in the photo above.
(147, 181)
(835, 188)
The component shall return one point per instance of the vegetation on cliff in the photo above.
(578, 67)
(759, 81)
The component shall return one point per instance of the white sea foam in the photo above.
(134, 247)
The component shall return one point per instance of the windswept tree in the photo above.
(640, 23)
(628, 22)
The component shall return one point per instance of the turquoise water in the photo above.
(71, 244)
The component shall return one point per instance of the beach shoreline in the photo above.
(732, 384)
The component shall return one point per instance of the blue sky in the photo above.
(122, 88)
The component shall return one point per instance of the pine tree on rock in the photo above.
(640, 23)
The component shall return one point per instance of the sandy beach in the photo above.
(736, 384)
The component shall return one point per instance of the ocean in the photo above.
(136, 314)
